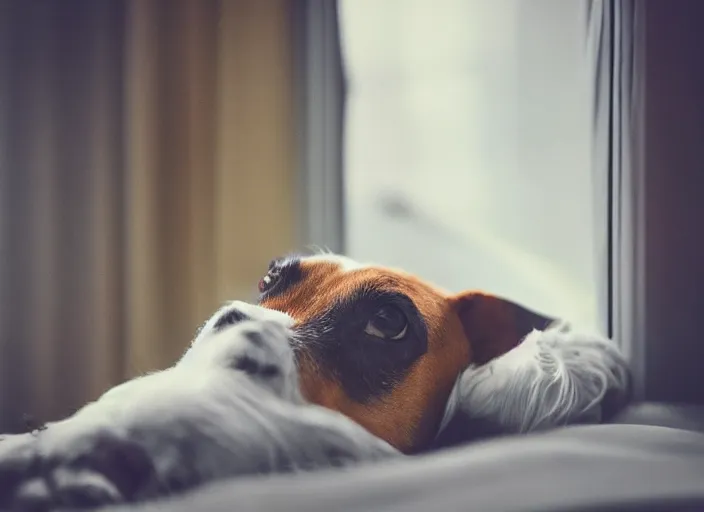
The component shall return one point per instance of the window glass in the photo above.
(468, 146)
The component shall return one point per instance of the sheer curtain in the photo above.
(138, 143)
(468, 151)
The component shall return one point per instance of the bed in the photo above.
(651, 457)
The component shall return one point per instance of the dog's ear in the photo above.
(493, 325)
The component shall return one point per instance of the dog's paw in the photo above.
(249, 339)
(68, 467)
(18, 462)
(236, 312)
(230, 316)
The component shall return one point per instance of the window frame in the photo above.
(631, 47)
(320, 99)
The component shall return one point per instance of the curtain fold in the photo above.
(146, 175)
(668, 152)
(628, 189)
(616, 39)
(600, 51)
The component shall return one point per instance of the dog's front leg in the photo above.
(160, 433)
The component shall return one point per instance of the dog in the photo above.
(231, 406)
(404, 358)
(338, 363)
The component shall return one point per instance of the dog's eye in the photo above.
(269, 279)
(388, 323)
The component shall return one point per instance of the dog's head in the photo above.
(383, 347)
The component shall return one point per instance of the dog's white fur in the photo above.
(230, 406)
(552, 378)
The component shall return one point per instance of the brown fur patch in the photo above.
(461, 329)
(410, 414)
(494, 325)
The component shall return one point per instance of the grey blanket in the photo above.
(580, 469)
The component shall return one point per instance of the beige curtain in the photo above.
(146, 175)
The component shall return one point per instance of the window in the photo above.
(467, 151)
